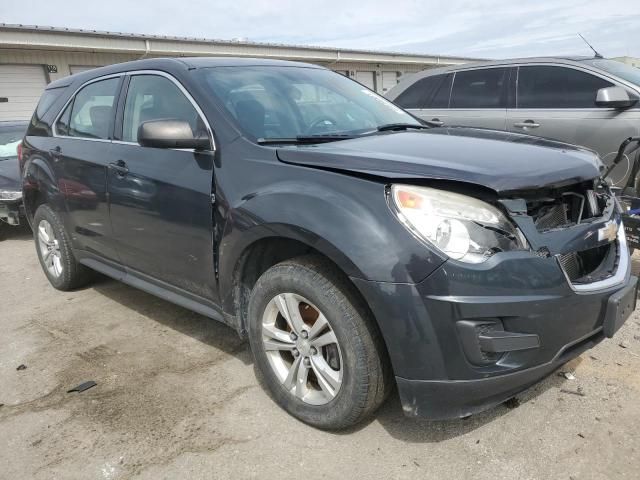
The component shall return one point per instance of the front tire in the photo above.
(54, 252)
(315, 345)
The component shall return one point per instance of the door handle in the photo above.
(436, 121)
(120, 167)
(526, 124)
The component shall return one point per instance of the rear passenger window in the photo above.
(89, 114)
(152, 97)
(557, 87)
(479, 89)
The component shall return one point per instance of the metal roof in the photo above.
(398, 56)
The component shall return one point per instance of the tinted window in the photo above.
(284, 102)
(151, 97)
(47, 99)
(89, 114)
(416, 95)
(479, 89)
(440, 98)
(557, 87)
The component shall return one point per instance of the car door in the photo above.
(81, 150)
(160, 199)
(428, 98)
(558, 102)
(479, 98)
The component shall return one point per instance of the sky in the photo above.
(480, 29)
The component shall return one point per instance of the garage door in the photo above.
(366, 79)
(20, 90)
(389, 80)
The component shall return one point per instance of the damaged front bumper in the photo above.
(471, 336)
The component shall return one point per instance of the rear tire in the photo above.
(343, 380)
(54, 252)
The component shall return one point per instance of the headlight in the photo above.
(462, 227)
(10, 194)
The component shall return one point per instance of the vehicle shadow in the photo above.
(419, 430)
(224, 338)
(186, 322)
(20, 232)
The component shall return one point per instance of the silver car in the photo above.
(585, 101)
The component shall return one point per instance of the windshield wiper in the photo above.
(305, 139)
(402, 126)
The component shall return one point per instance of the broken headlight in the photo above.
(464, 228)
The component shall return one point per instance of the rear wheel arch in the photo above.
(39, 187)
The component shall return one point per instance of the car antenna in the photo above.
(597, 55)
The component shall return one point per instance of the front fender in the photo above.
(345, 218)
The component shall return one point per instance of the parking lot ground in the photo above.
(176, 397)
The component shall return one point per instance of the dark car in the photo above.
(352, 245)
(11, 211)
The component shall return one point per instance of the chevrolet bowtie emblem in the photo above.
(609, 232)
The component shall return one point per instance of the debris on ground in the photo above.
(22, 366)
(580, 435)
(579, 392)
(512, 403)
(83, 386)
(568, 375)
(623, 345)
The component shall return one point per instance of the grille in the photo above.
(590, 265)
(571, 265)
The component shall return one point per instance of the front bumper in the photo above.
(438, 370)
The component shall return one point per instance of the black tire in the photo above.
(73, 275)
(366, 376)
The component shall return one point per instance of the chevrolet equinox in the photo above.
(352, 245)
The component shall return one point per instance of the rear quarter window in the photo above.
(37, 126)
(47, 99)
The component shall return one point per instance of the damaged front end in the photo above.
(581, 226)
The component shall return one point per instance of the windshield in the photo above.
(10, 137)
(619, 69)
(276, 102)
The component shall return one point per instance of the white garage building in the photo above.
(32, 56)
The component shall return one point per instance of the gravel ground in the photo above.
(177, 398)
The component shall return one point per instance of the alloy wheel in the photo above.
(49, 249)
(302, 348)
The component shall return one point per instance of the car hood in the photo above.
(10, 174)
(497, 160)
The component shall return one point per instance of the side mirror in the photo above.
(170, 134)
(615, 97)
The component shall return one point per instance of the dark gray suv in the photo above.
(353, 246)
(585, 101)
